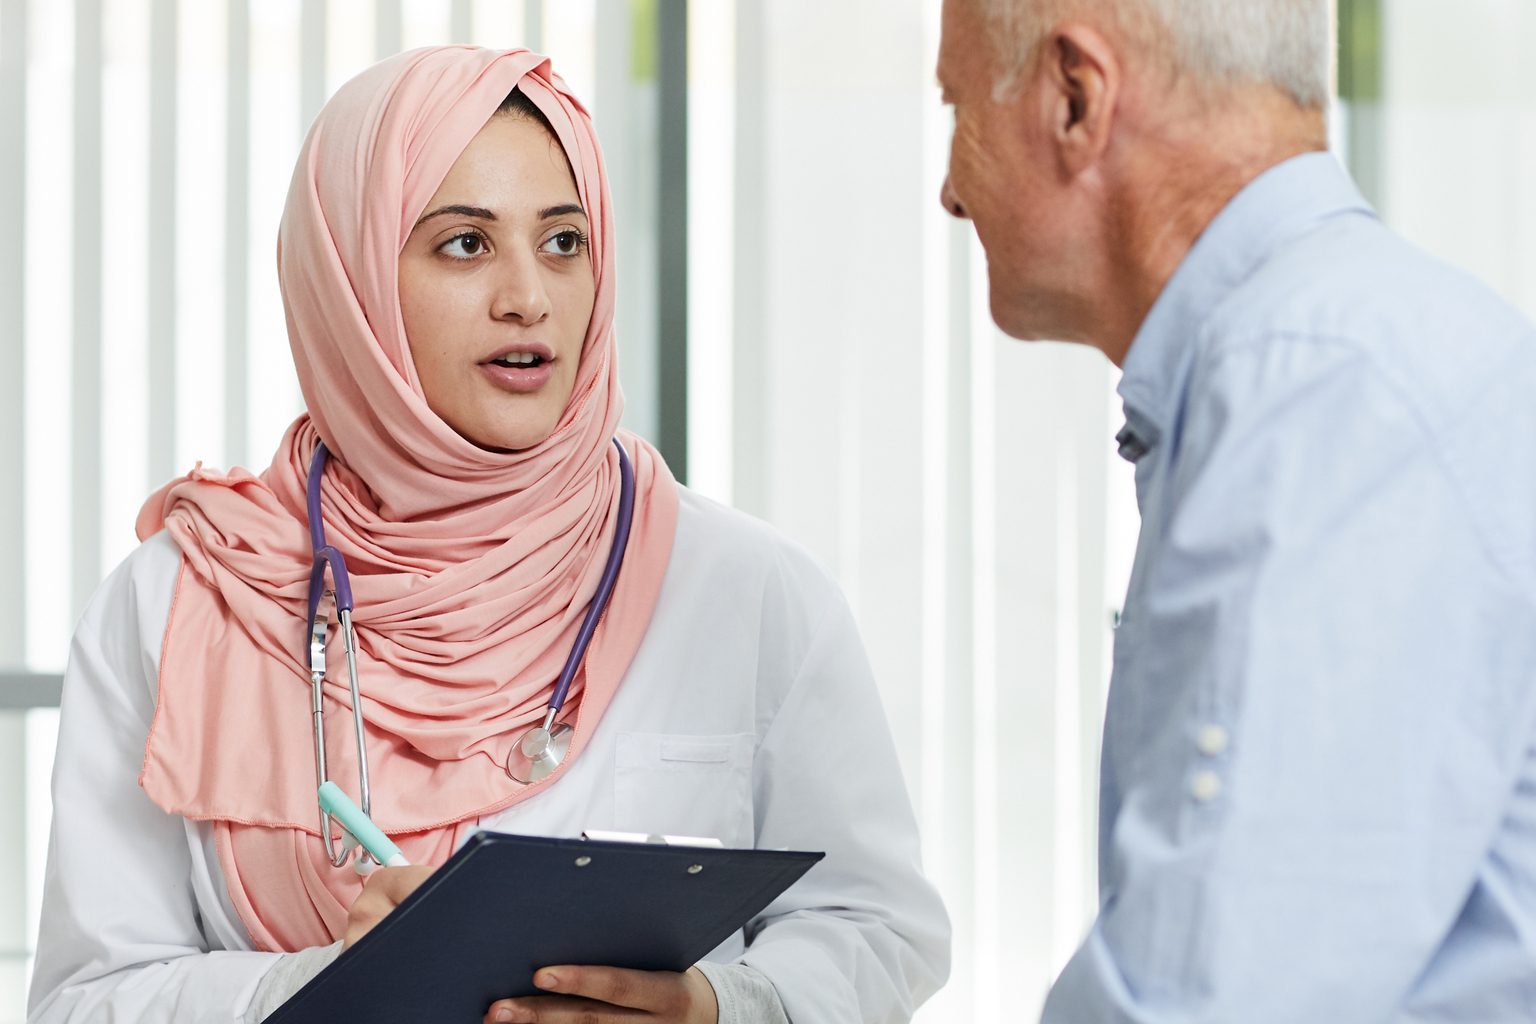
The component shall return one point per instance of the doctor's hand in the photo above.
(382, 892)
(587, 995)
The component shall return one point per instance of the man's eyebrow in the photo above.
(464, 211)
(562, 210)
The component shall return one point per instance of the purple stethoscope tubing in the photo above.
(323, 552)
(605, 585)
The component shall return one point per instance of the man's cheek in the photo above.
(985, 192)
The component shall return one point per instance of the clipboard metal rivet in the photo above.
(583, 861)
(694, 869)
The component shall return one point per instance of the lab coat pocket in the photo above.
(675, 784)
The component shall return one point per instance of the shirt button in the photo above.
(1205, 786)
(1212, 740)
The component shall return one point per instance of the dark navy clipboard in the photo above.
(505, 905)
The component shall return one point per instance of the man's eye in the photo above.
(566, 243)
(463, 247)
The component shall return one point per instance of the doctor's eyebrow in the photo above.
(479, 212)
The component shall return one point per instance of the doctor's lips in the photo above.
(525, 366)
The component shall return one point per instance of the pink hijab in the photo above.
(471, 569)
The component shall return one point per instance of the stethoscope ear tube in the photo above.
(316, 625)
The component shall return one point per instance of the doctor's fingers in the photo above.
(385, 889)
(661, 996)
(565, 1010)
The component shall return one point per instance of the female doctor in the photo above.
(446, 262)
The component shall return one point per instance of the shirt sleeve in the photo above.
(743, 995)
(283, 981)
(121, 935)
(1320, 708)
(863, 937)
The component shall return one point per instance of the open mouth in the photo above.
(519, 370)
(518, 360)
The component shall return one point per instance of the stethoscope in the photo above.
(537, 753)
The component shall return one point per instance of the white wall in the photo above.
(1459, 135)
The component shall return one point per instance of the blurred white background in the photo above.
(842, 377)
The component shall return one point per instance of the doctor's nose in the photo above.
(520, 294)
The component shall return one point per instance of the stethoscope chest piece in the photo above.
(539, 751)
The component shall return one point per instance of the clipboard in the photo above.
(504, 906)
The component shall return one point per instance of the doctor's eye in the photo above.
(566, 243)
(465, 247)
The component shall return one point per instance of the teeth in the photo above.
(518, 359)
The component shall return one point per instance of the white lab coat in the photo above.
(752, 659)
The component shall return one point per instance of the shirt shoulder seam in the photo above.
(1427, 433)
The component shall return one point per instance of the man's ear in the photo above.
(1083, 73)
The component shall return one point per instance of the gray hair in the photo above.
(1287, 43)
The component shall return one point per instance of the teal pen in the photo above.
(340, 806)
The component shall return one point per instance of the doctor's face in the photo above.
(497, 289)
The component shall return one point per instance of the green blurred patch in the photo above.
(1360, 50)
(642, 36)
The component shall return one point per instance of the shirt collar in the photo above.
(1274, 208)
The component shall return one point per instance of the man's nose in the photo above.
(951, 202)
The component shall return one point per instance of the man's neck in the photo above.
(1173, 181)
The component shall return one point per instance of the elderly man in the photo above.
(1319, 793)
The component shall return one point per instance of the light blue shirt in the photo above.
(1319, 790)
